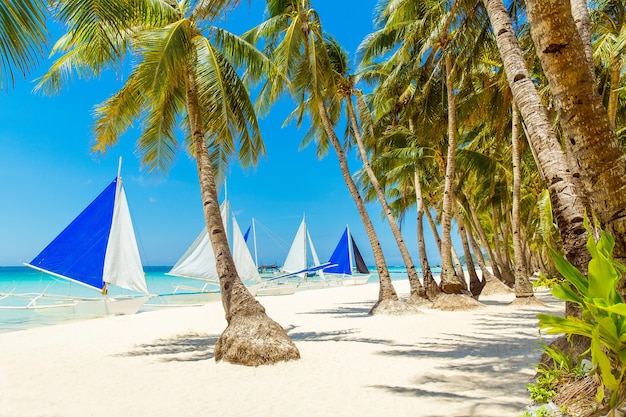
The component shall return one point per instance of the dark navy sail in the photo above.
(358, 259)
(78, 252)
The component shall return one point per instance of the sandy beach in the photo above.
(160, 363)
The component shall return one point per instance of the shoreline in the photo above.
(160, 363)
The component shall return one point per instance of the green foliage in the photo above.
(547, 281)
(543, 389)
(603, 313)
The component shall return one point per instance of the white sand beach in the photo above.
(160, 363)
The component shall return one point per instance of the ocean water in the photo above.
(24, 280)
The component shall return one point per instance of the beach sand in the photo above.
(161, 364)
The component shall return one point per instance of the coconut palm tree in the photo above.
(23, 36)
(294, 39)
(567, 205)
(346, 91)
(183, 70)
(585, 122)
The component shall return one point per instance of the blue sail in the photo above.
(78, 252)
(340, 259)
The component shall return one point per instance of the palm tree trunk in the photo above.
(501, 249)
(430, 285)
(585, 122)
(567, 206)
(450, 283)
(248, 324)
(616, 72)
(487, 275)
(485, 243)
(580, 13)
(417, 290)
(475, 286)
(523, 287)
(386, 291)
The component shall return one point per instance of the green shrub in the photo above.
(603, 313)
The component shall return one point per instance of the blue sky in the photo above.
(49, 173)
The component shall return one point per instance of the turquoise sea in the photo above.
(25, 280)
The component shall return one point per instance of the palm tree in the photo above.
(585, 122)
(523, 287)
(346, 91)
(183, 70)
(23, 36)
(294, 39)
(567, 206)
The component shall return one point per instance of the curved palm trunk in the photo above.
(501, 246)
(478, 227)
(251, 337)
(417, 290)
(430, 285)
(487, 275)
(475, 285)
(387, 291)
(523, 287)
(450, 282)
(567, 206)
(584, 119)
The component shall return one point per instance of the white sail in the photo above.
(246, 267)
(316, 259)
(198, 261)
(296, 257)
(122, 263)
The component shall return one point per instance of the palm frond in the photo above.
(23, 37)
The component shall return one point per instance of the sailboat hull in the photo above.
(184, 299)
(267, 289)
(346, 280)
(110, 306)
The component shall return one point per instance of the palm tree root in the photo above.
(393, 308)
(254, 340)
(456, 302)
(494, 286)
(527, 301)
(419, 301)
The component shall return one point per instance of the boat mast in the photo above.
(304, 246)
(256, 259)
(119, 168)
(350, 249)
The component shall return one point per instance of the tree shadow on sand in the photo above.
(357, 309)
(490, 365)
(187, 347)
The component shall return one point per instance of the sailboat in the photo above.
(296, 263)
(198, 263)
(347, 265)
(97, 250)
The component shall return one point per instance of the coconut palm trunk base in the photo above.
(451, 287)
(393, 308)
(456, 302)
(419, 301)
(494, 286)
(525, 301)
(254, 340)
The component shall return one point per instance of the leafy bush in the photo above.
(547, 281)
(603, 314)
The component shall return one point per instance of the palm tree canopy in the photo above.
(23, 37)
(158, 42)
